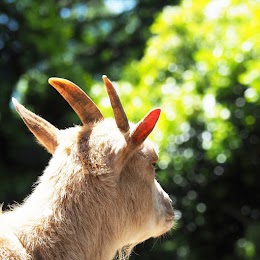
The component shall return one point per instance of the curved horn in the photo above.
(119, 113)
(81, 103)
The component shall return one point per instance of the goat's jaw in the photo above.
(155, 228)
(167, 227)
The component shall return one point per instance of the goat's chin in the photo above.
(166, 227)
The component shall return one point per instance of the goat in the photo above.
(98, 197)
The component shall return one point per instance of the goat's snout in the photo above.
(166, 204)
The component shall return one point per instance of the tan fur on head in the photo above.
(98, 196)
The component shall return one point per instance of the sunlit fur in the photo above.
(92, 202)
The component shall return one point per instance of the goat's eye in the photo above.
(154, 164)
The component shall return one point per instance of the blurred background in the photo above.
(197, 60)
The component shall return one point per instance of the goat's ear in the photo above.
(45, 132)
(137, 137)
(145, 127)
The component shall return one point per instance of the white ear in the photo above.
(44, 131)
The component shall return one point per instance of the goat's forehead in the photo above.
(69, 134)
(151, 150)
(107, 126)
(106, 130)
(103, 127)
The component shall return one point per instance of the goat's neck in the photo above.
(64, 218)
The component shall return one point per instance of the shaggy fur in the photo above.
(96, 199)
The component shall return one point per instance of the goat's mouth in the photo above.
(169, 221)
(169, 218)
(166, 225)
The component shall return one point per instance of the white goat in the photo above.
(98, 196)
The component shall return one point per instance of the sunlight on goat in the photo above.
(98, 196)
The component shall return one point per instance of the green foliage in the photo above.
(201, 56)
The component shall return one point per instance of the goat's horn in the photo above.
(77, 99)
(119, 113)
(44, 131)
